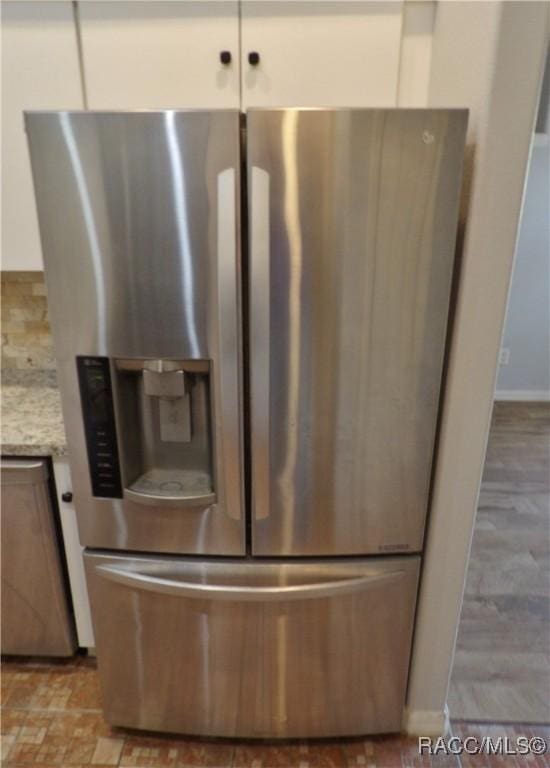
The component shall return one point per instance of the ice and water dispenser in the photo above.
(158, 450)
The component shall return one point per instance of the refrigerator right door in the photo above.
(352, 229)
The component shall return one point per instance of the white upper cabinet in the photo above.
(196, 54)
(333, 54)
(39, 71)
(160, 54)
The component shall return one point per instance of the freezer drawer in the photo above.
(242, 649)
(36, 619)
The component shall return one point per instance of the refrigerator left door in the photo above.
(139, 221)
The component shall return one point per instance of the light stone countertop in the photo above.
(32, 424)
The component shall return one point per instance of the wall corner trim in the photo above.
(489, 57)
(422, 722)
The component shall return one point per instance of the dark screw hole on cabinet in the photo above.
(225, 57)
(67, 497)
(254, 58)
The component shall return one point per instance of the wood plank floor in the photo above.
(502, 663)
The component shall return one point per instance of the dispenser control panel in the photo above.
(94, 378)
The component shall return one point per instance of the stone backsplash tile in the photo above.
(26, 334)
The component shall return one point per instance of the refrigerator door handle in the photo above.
(228, 427)
(259, 338)
(198, 590)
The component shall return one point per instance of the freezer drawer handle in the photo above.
(222, 592)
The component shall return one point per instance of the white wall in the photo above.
(488, 56)
(526, 337)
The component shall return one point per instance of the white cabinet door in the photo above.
(40, 70)
(160, 54)
(333, 54)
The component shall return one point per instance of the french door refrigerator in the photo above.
(250, 316)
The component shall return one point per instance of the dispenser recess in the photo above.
(166, 444)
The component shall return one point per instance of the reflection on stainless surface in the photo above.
(180, 209)
(362, 216)
(267, 649)
(142, 266)
(89, 223)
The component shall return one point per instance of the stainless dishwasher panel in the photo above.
(242, 649)
(36, 620)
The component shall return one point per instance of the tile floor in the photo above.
(51, 716)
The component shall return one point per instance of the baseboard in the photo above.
(418, 722)
(523, 395)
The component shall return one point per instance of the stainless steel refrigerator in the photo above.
(250, 315)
